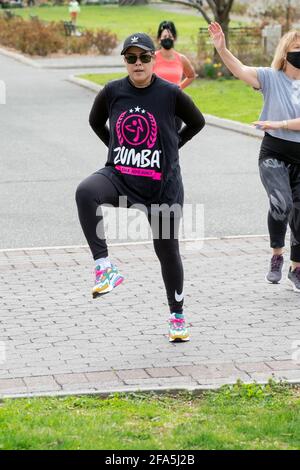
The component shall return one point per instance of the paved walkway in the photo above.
(74, 61)
(80, 61)
(58, 340)
(54, 339)
(57, 149)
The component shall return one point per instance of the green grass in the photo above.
(239, 417)
(126, 20)
(230, 99)
(122, 20)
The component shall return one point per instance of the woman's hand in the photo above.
(217, 36)
(271, 125)
(236, 67)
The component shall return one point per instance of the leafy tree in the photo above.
(218, 10)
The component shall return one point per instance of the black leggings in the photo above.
(282, 184)
(96, 190)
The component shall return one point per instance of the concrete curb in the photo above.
(174, 390)
(19, 58)
(84, 83)
(35, 63)
(79, 66)
(214, 121)
(126, 390)
(234, 126)
(146, 242)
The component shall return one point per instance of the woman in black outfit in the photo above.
(142, 166)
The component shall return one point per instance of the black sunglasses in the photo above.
(132, 58)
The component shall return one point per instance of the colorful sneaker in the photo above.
(294, 278)
(106, 280)
(275, 273)
(177, 328)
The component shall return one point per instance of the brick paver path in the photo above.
(58, 340)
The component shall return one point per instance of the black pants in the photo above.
(97, 190)
(282, 184)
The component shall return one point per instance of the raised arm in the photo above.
(236, 67)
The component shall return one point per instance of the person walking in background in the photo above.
(142, 166)
(279, 159)
(74, 9)
(169, 64)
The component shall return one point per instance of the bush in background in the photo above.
(239, 8)
(245, 43)
(105, 41)
(36, 37)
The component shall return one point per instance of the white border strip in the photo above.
(84, 83)
(19, 57)
(184, 240)
(141, 389)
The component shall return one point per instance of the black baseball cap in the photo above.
(141, 40)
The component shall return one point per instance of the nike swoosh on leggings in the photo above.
(179, 297)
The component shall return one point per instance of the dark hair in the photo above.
(167, 25)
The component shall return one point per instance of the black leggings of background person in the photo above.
(282, 184)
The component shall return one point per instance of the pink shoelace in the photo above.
(99, 273)
(177, 322)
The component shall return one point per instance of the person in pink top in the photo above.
(170, 65)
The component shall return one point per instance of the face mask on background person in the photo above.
(167, 43)
(294, 58)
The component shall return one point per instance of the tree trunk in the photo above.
(224, 22)
(222, 16)
(219, 11)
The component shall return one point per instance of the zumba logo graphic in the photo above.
(137, 127)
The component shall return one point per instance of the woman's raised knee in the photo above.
(83, 193)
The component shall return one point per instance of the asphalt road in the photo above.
(47, 148)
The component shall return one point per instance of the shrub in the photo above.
(76, 45)
(101, 41)
(39, 40)
(36, 37)
(212, 70)
(245, 43)
(30, 37)
(239, 8)
(105, 41)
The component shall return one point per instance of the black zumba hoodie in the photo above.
(143, 138)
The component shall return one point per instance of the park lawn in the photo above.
(230, 99)
(123, 20)
(237, 417)
(127, 20)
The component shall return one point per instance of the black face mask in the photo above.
(167, 43)
(294, 59)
